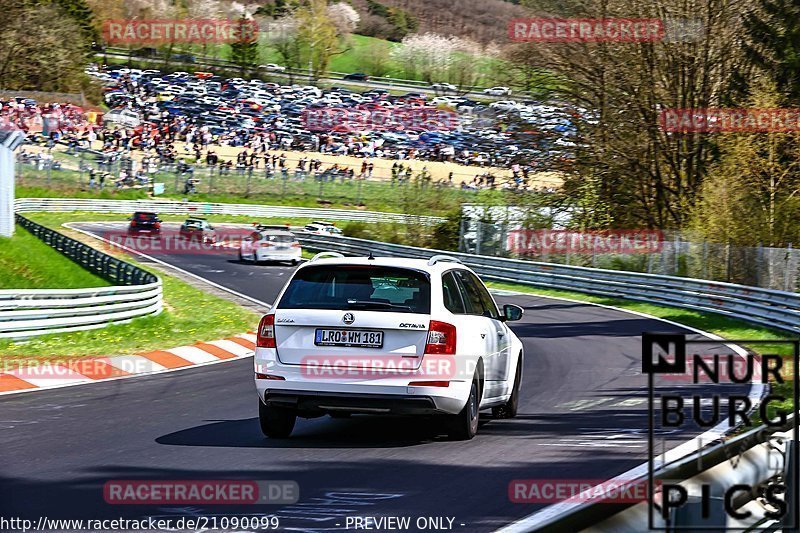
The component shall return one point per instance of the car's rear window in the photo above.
(146, 216)
(370, 288)
(279, 238)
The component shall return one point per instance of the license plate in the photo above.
(352, 338)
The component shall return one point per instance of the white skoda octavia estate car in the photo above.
(386, 336)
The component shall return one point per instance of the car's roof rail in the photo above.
(437, 258)
(326, 254)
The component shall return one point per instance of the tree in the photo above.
(647, 177)
(283, 37)
(773, 43)
(36, 54)
(203, 10)
(244, 51)
(375, 58)
(81, 13)
(344, 17)
(753, 194)
(317, 36)
(428, 56)
(467, 62)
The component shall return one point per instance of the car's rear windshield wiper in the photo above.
(363, 304)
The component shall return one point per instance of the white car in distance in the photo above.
(386, 336)
(497, 91)
(444, 87)
(327, 229)
(272, 67)
(270, 244)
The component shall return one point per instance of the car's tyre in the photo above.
(241, 257)
(276, 422)
(509, 409)
(294, 262)
(464, 425)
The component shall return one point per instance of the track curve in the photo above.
(582, 416)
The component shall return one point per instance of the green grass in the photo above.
(365, 195)
(190, 314)
(54, 220)
(28, 263)
(727, 328)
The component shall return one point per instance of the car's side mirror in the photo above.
(512, 312)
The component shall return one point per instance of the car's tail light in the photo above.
(441, 338)
(296, 245)
(429, 384)
(266, 332)
(157, 224)
(266, 244)
(270, 377)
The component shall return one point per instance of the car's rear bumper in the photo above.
(315, 402)
(310, 389)
(283, 255)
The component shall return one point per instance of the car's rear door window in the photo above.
(452, 294)
(280, 239)
(476, 298)
(370, 288)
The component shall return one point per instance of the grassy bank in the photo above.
(28, 263)
(367, 196)
(55, 220)
(190, 315)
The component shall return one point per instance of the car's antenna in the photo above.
(371, 257)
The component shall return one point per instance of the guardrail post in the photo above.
(689, 516)
(790, 496)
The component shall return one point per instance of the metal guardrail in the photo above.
(28, 313)
(755, 458)
(768, 307)
(194, 208)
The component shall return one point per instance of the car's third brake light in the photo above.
(266, 332)
(441, 338)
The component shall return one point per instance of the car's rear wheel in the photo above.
(509, 409)
(241, 257)
(464, 425)
(276, 422)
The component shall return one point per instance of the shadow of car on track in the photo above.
(628, 327)
(324, 432)
(284, 264)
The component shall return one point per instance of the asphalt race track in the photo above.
(583, 416)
